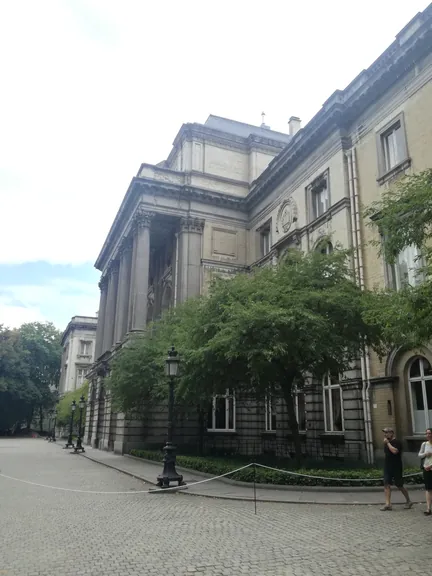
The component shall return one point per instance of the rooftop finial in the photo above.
(262, 119)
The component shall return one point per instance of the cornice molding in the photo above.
(344, 106)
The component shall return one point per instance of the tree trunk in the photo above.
(30, 418)
(41, 419)
(292, 420)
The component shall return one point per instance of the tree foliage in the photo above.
(403, 216)
(258, 334)
(29, 369)
(64, 406)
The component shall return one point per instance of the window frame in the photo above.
(265, 241)
(270, 413)
(328, 386)
(391, 271)
(422, 378)
(315, 189)
(227, 396)
(297, 393)
(384, 171)
(85, 347)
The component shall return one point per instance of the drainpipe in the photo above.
(359, 274)
(368, 418)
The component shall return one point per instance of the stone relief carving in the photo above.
(287, 216)
(192, 225)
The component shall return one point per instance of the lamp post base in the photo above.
(69, 443)
(79, 446)
(169, 473)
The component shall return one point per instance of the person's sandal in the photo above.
(427, 513)
(385, 508)
(408, 505)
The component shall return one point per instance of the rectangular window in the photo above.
(406, 269)
(318, 196)
(333, 409)
(265, 237)
(300, 408)
(80, 377)
(392, 148)
(320, 202)
(85, 347)
(392, 143)
(221, 415)
(270, 414)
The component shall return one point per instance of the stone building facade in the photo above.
(78, 342)
(231, 196)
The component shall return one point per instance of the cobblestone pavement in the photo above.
(46, 532)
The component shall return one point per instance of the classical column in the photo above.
(132, 281)
(122, 306)
(101, 317)
(141, 270)
(189, 258)
(110, 306)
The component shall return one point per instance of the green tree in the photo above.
(258, 334)
(16, 390)
(64, 406)
(42, 342)
(267, 332)
(403, 217)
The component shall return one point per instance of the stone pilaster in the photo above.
(122, 306)
(96, 407)
(104, 443)
(108, 339)
(189, 261)
(354, 424)
(101, 317)
(89, 412)
(141, 270)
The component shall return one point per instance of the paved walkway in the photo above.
(62, 514)
(148, 472)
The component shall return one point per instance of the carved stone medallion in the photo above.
(286, 216)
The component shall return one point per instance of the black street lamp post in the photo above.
(50, 417)
(169, 473)
(79, 446)
(69, 442)
(53, 436)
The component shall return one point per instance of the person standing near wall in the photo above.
(426, 463)
(393, 468)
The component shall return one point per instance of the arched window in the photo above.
(333, 409)
(420, 388)
(325, 247)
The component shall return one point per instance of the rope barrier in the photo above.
(154, 490)
(331, 477)
(151, 491)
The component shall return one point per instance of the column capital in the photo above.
(103, 282)
(125, 246)
(142, 218)
(113, 267)
(190, 224)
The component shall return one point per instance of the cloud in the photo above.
(92, 88)
(40, 291)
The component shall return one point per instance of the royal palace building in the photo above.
(231, 196)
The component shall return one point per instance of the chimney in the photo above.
(294, 124)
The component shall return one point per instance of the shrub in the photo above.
(217, 466)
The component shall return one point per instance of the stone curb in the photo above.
(239, 498)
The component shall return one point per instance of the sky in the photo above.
(90, 89)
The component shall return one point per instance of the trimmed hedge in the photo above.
(216, 466)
